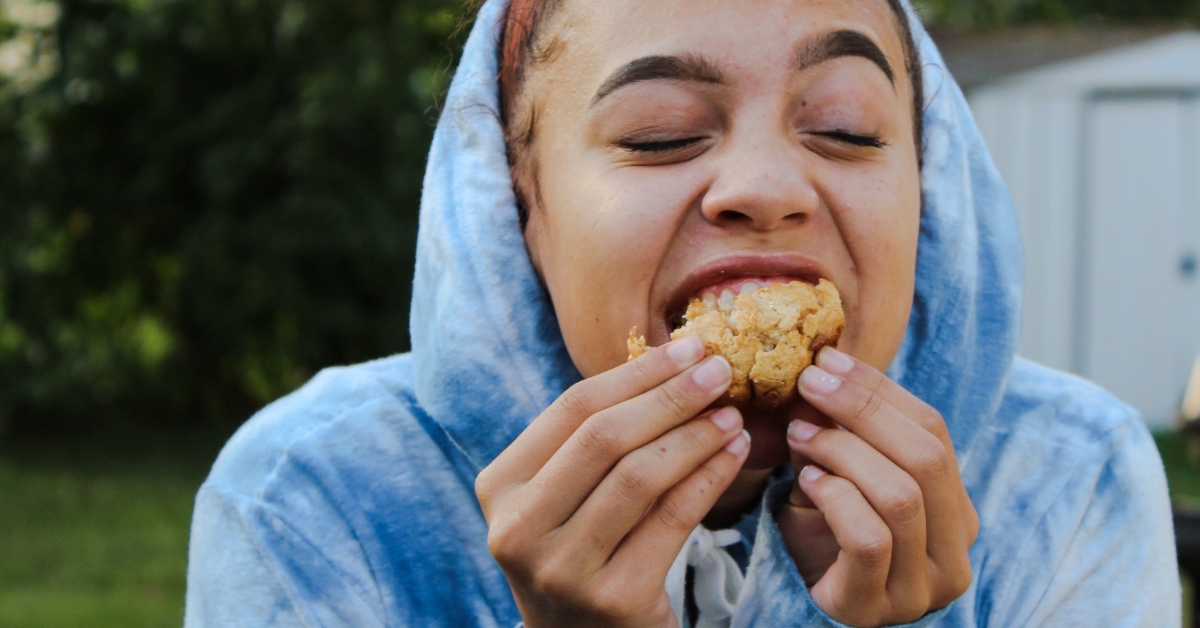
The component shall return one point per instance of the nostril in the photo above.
(732, 216)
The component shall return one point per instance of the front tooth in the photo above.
(749, 287)
(726, 301)
(710, 300)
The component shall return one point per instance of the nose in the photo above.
(761, 186)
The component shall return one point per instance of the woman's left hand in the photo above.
(878, 521)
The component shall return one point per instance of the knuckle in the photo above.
(868, 405)
(933, 466)
(614, 604)
(908, 608)
(835, 489)
(931, 461)
(548, 582)
(862, 613)
(873, 548)
(698, 434)
(674, 399)
(502, 542)
(972, 525)
(483, 487)
(675, 515)
(633, 480)
(578, 401)
(958, 581)
(556, 578)
(599, 439)
(828, 443)
(875, 381)
(648, 369)
(905, 504)
(932, 421)
(708, 476)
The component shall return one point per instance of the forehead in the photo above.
(593, 38)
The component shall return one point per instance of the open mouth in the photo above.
(721, 295)
(769, 333)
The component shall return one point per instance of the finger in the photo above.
(657, 539)
(893, 494)
(842, 365)
(847, 367)
(950, 556)
(805, 531)
(530, 451)
(643, 476)
(575, 470)
(853, 591)
(911, 447)
(798, 498)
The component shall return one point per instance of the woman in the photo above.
(659, 150)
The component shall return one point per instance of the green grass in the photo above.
(94, 540)
(1182, 462)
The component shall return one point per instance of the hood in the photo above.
(488, 356)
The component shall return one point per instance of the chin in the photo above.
(768, 438)
(768, 433)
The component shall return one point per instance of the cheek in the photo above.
(880, 224)
(600, 242)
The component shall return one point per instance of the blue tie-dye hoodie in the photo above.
(350, 502)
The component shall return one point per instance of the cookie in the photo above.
(768, 336)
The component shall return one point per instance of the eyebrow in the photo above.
(842, 43)
(689, 67)
(695, 68)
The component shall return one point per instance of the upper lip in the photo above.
(742, 265)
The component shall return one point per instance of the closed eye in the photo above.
(869, 141)
(659, 147)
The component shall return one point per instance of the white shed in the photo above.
(1102, 155)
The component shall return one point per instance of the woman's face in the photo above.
(682, 145)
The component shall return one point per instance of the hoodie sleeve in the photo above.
(1102, 554)
(774, 593)
(248, 567)
(1117, 566)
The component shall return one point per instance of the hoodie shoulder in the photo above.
(1071, 494)
(342, 400)
(1063, 408)
(356, 505)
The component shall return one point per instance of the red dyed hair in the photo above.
(521, 20)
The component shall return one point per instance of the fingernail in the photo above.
(835, 361)
(818, 381)
(739, 444)
(712, 373)
(727, 418)
(686, 350)
(812, 473)
(802, 431)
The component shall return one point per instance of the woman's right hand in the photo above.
(589, 507)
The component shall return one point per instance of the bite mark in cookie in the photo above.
(768, 335)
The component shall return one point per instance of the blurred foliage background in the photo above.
(993, 14)
(205, 201)
(202, 203)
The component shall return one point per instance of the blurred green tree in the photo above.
(204, 201)
(976, 14)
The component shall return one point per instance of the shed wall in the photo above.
(1042, 132)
